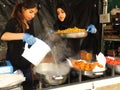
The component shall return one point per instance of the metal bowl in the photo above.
(74, 35)
(49, 79)
(52, 74)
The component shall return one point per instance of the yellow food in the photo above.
(70, 30)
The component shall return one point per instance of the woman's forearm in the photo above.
(12, 36)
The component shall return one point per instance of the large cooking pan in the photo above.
(72, 33)
(75, 35)
(54, 74)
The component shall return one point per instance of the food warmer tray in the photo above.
(114, 68)
(75, 35)
(91, 74)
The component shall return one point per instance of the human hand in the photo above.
(91, 28)
(30, 39)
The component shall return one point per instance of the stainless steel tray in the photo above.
(74, 35)
(93, 74)
(116, 68)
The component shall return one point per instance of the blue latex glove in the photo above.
(30, 39)
(91, 28)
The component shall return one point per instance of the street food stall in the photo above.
(94, 70)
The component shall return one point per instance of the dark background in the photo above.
(86, 11)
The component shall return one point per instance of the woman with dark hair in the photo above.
(66, 19)
(18, 31)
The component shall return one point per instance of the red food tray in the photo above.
(113, 60)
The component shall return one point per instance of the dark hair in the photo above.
(17, 12)
(69, 21)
